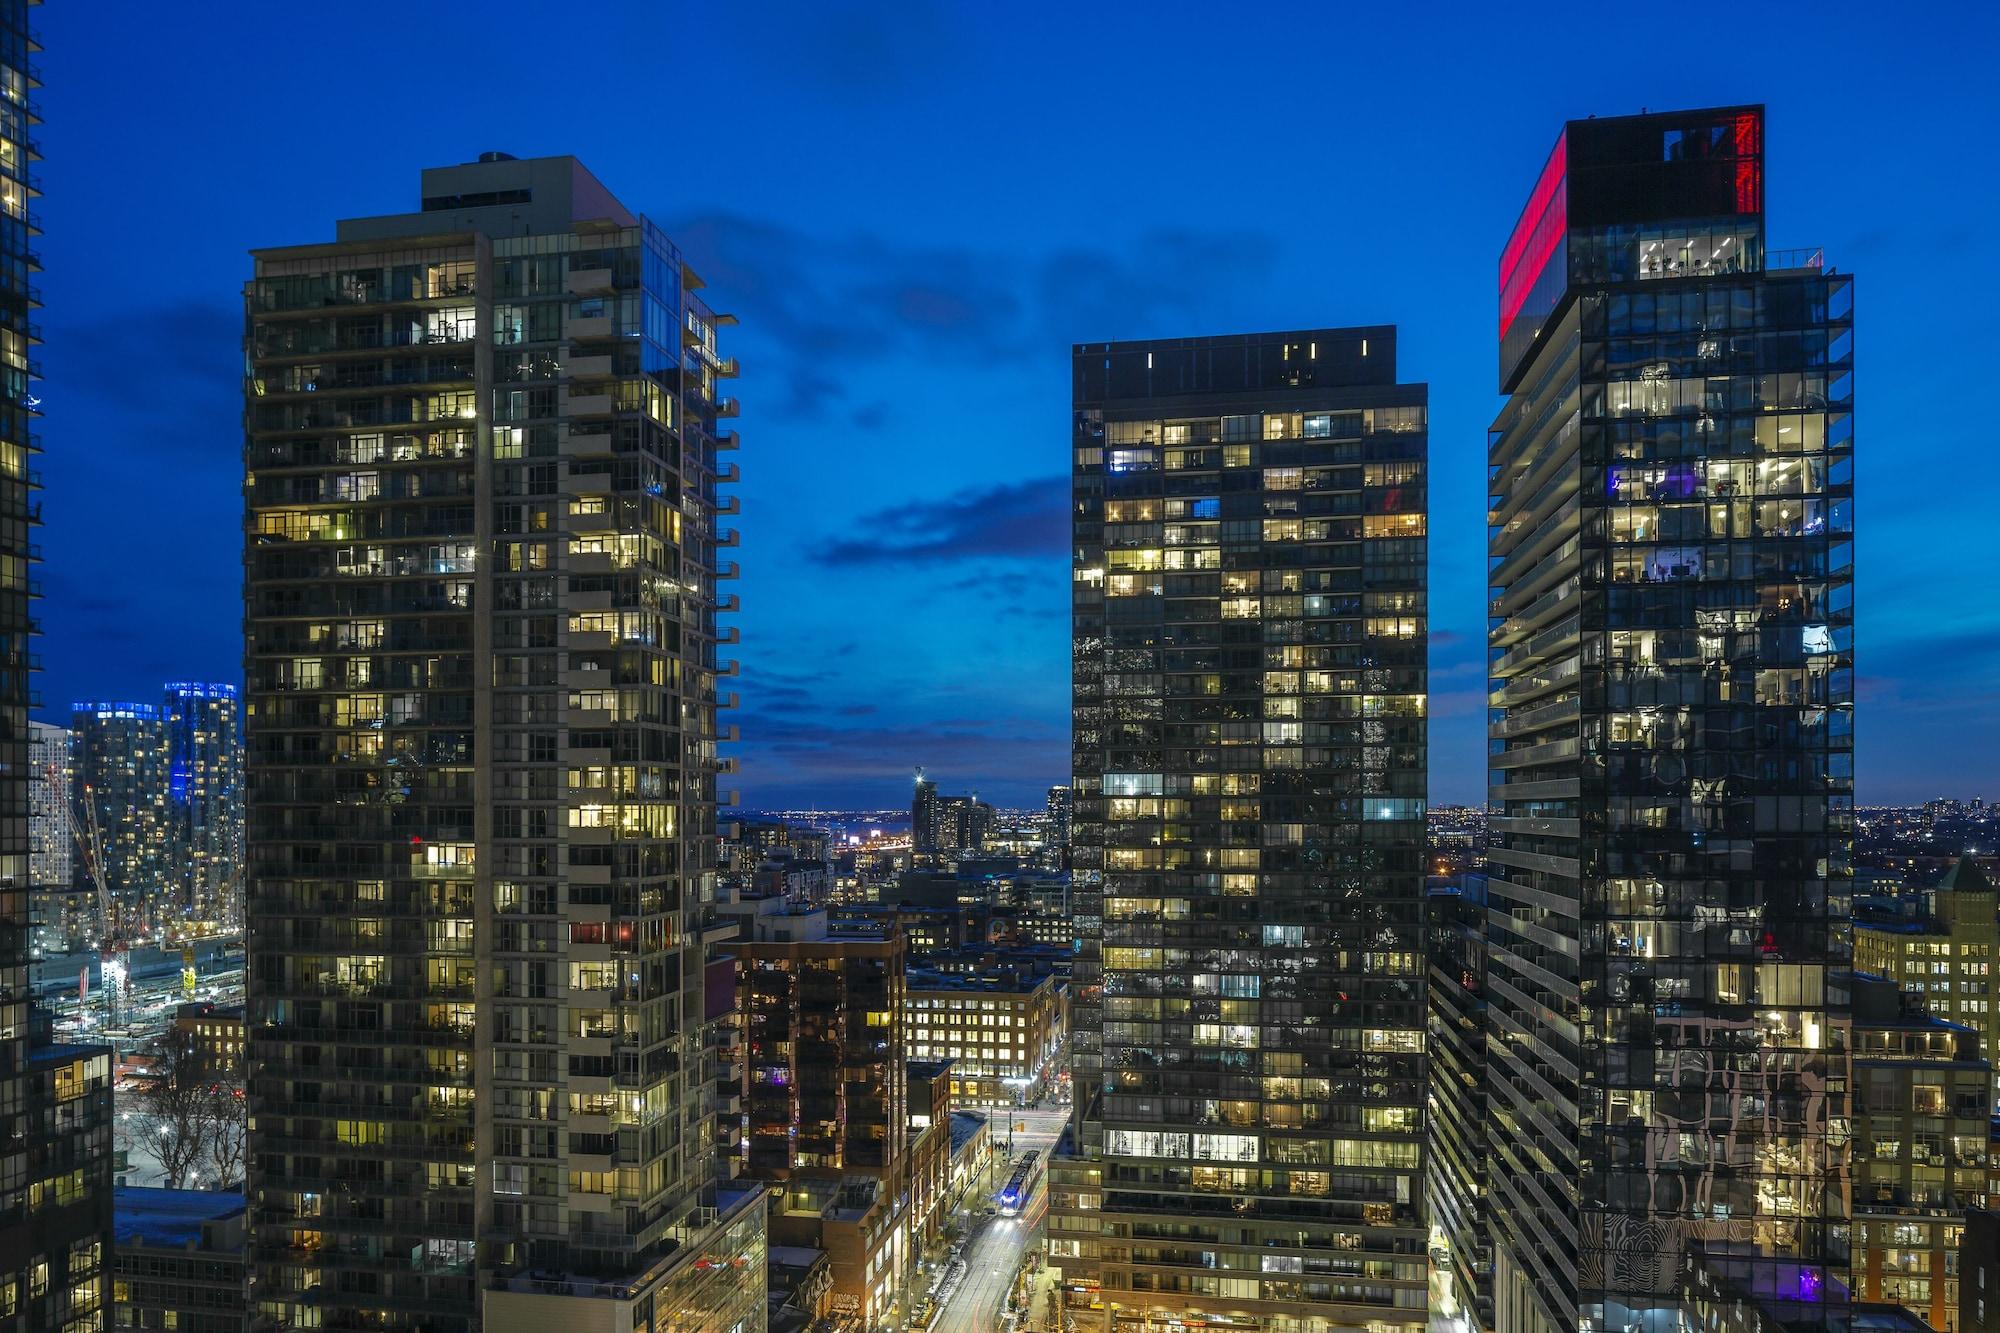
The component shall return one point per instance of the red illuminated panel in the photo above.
(1537, 235)
(1749, 146)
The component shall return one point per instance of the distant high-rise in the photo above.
(62, 913)
(120, 762)
(1248, 751)
(963, 823)
(1671, 560)
(483, 566)
(205, 796)
(55, 1098)
(1057, 828)
(924, 815)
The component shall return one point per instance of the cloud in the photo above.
(810, 302)
(1027, 519)
(864, 55)
(817, 302)
(165, 355)
(1164, 285)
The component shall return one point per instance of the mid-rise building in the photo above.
(482, 562)
(1979, 1272)
(214, 1032)
(1922, 1120)
(1672, 687)
(178, 1261)
(1001, 1032)
(64, 914)
(925, 929)
(1248, 751)
(205, 798)
(823, 1060)
(1946, 952)
(826, 1114)
(119, 765)
(55, 1099)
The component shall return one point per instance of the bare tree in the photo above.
(227, 1114)
(176, 1103)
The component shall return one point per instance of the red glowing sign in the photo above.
(1537, 235)
(1749, 163)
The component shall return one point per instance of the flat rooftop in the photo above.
(172, 1219)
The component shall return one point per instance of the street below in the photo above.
(996, 1246)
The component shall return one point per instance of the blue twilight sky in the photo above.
(915, 210)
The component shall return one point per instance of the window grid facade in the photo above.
(482, 565)
(1249, 732)
(55, 1100)
(205, 799)
(1671, 739)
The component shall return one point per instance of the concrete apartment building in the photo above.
(484, 537)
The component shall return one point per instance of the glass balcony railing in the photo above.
(1791, 261)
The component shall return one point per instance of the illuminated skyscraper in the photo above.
(55, 1099)
(1056, 829)
(482, 566)
(1671, 560)
(205, 796)
(65, 916)
(119, 765)
(925, 815)
(1248, 750)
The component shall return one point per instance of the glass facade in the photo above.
(205, 800)
(823, 1083)
(55, 1100)
(119, 765)
(1455, 1182)
(64, 917)
(1248, 839)
(1671, 729)
(481, 556)
(713, 1286)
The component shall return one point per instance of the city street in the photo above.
(995, 1246)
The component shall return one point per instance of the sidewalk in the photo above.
(1044, 1307)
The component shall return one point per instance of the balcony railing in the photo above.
(1789, 261)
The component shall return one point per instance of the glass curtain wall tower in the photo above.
(205, 797)
(119, 765)
(482, 565)
(1671, 736)
(55, 1099)
(1248, 839)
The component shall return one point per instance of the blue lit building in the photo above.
(205, 797)
(120, 773)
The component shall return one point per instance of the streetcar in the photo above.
(1021, 1185)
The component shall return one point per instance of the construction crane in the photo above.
(112, 952)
